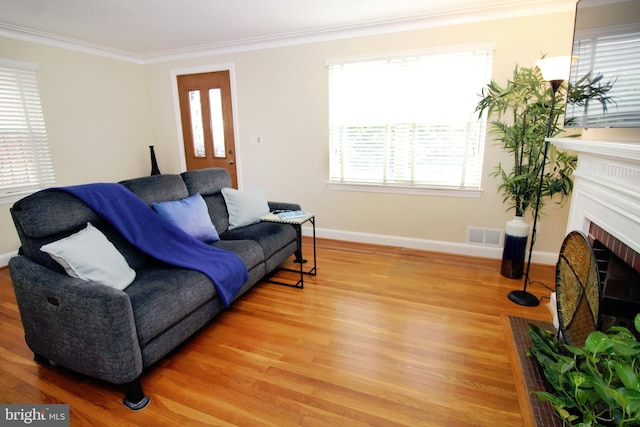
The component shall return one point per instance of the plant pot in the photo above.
(515, 246)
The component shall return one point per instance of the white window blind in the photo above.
(25, 162)
(615, 53)
(408, 120)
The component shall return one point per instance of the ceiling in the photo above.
(148, 29)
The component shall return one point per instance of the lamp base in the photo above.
(524, 298)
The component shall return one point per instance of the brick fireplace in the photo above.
(600, 236)
(605, 206)
(619, 267)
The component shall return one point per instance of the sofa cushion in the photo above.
(270, 235)
(209, 182)
(206, 181)
(249, 251)
(48, 213)
(157, 188)
(245, 207)
(190, 215)
(90, 256)
(47, 216)
(164, 295)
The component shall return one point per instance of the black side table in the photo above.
(296, 222)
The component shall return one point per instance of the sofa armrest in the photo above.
(84, 326)
(283, 206)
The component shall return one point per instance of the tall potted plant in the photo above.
(521, 113)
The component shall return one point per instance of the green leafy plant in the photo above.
(595, 385)
(522, 110)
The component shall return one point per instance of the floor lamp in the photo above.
(554, 70)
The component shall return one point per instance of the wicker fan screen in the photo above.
(577, 289)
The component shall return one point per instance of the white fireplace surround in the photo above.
(606, 188)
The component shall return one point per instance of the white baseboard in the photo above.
(4, 258)
(547, 258)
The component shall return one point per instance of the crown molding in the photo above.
(509, 9)
(47, 39)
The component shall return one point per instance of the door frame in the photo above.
(176, 109)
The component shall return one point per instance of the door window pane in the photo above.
(196, 123)
(217, 123)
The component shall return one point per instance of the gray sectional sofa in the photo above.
(113, 334)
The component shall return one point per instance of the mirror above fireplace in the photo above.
(606, 43)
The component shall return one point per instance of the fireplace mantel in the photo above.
(628, 151)
(606, 187)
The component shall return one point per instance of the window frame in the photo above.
(410, 187)
(41, 162)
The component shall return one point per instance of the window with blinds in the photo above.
(408, 120)
(613, 52)
(25, 162)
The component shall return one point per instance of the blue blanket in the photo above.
(149, 232)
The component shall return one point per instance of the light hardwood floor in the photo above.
(381, 336)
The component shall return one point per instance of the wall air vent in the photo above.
(484, 236)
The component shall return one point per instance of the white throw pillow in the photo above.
(89, 255)
(245, 207)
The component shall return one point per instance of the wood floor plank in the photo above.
(381, 336)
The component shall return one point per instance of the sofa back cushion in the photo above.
(157, 188)
(209, 183)
(48, 216)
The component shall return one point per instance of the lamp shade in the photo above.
(556, 67)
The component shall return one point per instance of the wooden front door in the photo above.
(207, 121)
